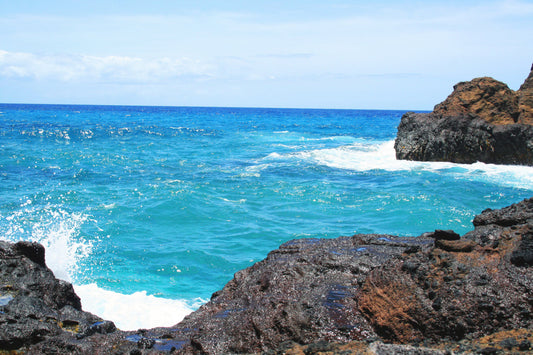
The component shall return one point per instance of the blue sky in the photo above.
(403, 55)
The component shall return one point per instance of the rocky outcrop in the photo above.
(38, 311)
(485, 98)
(374, 294)
(482, 120)
(305, 291)
(478, 285)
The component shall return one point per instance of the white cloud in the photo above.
(85, 68)
(286, 55)
(71, 68)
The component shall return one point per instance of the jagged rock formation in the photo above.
(366, 294)
(482, 120)
(473, 286)
(38, 309)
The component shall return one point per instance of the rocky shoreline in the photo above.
(438, 293)
(482, 120)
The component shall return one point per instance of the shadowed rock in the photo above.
(38, 311)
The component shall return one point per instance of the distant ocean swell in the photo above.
(148, 210)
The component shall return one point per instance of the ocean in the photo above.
(149, 210)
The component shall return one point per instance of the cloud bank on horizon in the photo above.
(338, 54)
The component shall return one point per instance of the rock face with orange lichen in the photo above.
(451, 291)
(482, 120)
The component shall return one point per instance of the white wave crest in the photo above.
(359, 157)
(134, 311)
(367, 156)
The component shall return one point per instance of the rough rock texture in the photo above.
(525, 100)
(37, 308)
(305, 291)
(485, 97)
(462, 139)
(439, 293)
(506, 342)
(478, 285)
(482, 120)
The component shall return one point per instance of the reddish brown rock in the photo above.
(490, 100)
(525, 100)
(448, 294)
(456, 245)
(484, 97)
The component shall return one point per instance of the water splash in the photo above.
(59, 232)
(56, 229)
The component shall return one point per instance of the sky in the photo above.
(404, 55)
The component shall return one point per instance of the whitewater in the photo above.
(149, 210)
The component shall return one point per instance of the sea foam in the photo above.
(134, 311)
(369, 156)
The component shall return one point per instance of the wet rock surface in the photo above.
(305, 291)
(482, 120)
(439, 293)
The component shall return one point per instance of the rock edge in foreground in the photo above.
(375, 294)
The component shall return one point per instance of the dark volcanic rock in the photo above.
(482, 120)
(440, 234)
(304, 292)
(462, 139)
(374, 294)
(35, 307)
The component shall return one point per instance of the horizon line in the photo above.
(223, 107)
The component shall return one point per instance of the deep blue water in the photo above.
(172, 201)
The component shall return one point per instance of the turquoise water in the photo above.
(171, 202)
